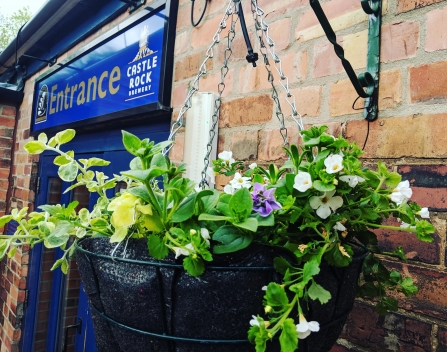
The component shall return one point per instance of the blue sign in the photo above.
(121, 73)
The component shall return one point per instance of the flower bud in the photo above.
(192, 232)
(194, 256)
(266, 324)
(267, 309)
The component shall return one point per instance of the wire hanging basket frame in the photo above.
(234, 12)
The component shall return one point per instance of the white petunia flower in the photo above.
(401, 193)
(205, 235)
(303, 181)
(254, 321)
(339, 226)
(228, 189)
(239, 181)
(253, 166)
(210, 174)
(183, 251)
(352, 180)
(227, 157)
(333, 163)
(304, 328)
(323, 204)
(264, 288)
(424, 213)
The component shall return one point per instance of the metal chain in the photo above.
(220, 88)
(262, 30)
(179, 123)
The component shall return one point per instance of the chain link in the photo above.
(262, 31)
(179, 123)
(220, 88)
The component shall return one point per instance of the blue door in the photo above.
(107, 145)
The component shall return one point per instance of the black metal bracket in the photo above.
(134, 4)
(78, 326)
(50, 62)
(365, 84)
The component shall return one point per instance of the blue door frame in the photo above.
(108, 143)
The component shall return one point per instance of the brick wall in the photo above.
(409, 134)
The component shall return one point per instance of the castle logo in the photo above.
(42, 104)
(144, 45)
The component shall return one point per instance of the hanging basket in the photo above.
(140, 304)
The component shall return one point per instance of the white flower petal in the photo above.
(424, 213)
(339, 226)
(254, 321)
(335, 202)
(228, 189)
(303, 335)
(323, 211)
(303, 181)
(315, 202)
(253, 166)
(314, 326)
(302, 327)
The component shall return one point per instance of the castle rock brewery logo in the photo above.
(139, 70)
(42, 104)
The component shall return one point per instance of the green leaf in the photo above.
(34, 147)
(276, 295)
(281, 265)
(131, 142)
(97, 162)
(383, 170)
(424, 230)
(59, 236)
(241, 204)
(385, 305)
(61, 160)
(4, 245)
(232, 239)
(336, 258)
(159, 161)
(323, 187)
(157, 247)
(139, 175)
(318, 292)
(310, 269)
(194, 266)
(393, 180)
(210, 217)
(65, 136)
(250, 224)
(185, 210)
(68, 172)
(408, 288)
(12, 252)
(119, 235)
(5, 219)
(265, 221)
(140, 192)
(289, 336)
(42, 138)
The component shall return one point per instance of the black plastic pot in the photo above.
(141, 305)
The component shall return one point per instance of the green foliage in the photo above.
(10, 25)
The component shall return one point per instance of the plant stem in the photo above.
(285, 315)
(407, 229)
(151, 193)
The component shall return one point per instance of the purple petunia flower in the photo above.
(264, 201)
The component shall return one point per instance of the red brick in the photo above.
(326, 62)
(244, 145)
(8, 111)
(279, 31)
(416, 136)
(271, 144)
(176, 153)
(428, 82)
(408, 5)
(393, 332)
(332, 9)
(412, 246)
(179, 95)
(400, 40)
(307, 101)
(189, 66)
(442, 339)
(436, 27)
(338, 348)
(246, 111)
(431, 299)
